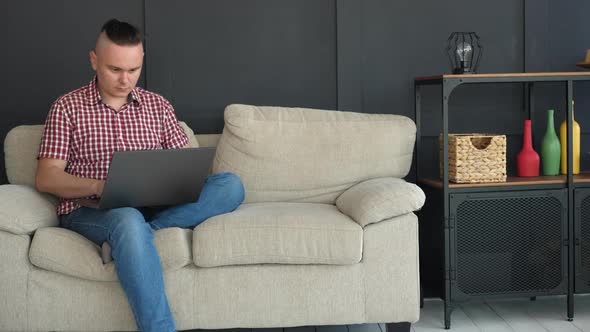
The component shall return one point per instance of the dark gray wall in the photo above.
(347, 54)
(202, 55)
(392, 42)
(556, 39)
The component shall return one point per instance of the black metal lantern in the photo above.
(464, 52)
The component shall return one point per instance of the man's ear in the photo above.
(92, 55)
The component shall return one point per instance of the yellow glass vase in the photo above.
(576, 145)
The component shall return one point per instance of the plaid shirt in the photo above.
(85, 132)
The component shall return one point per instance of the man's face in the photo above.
(117, 68)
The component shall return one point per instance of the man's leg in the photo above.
(221, 193)
(136, 260)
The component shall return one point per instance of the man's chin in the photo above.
(121, 93)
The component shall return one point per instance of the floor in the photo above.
(520, 315)
(517, 315)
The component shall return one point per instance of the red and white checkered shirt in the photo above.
(85, 132)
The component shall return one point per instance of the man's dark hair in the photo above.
(122, 33)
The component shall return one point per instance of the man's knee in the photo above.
(231, 188)
(127, 222)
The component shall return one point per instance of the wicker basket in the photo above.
(475, 158)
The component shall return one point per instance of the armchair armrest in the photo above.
(379, 199)
(23, 209)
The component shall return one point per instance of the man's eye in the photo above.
(132, 70)
(116, 70)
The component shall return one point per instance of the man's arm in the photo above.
(52, 178)
(173, 135)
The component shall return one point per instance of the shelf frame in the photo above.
(448, 83)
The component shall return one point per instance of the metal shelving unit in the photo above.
(477, 202)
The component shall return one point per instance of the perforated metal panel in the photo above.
(508, 243)
(583, 226)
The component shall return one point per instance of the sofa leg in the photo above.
(398, 327)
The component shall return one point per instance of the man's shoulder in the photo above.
(74, 97)
(152, 97)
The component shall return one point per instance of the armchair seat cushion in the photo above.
(282, 233)
(61, 250)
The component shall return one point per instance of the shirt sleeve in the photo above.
(173, 135)
(55, 141)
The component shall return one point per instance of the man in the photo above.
(83, 129)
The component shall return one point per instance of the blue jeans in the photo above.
(129, 232)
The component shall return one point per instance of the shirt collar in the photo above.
(93, 97)
(135, 96)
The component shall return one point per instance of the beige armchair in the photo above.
(326, 236)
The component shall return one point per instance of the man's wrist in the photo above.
(97, 187)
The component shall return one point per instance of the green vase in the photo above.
(550, 148)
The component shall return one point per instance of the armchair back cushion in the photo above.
(306, 155)
(20, 154)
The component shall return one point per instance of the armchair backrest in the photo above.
(307, 155)
(20, 154)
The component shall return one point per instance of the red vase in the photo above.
(527, 160)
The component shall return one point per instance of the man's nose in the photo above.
(124, 77)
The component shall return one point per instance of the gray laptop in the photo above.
(154, 178)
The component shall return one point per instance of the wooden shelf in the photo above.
(583, 177)
(511, 181)
(504, 75)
